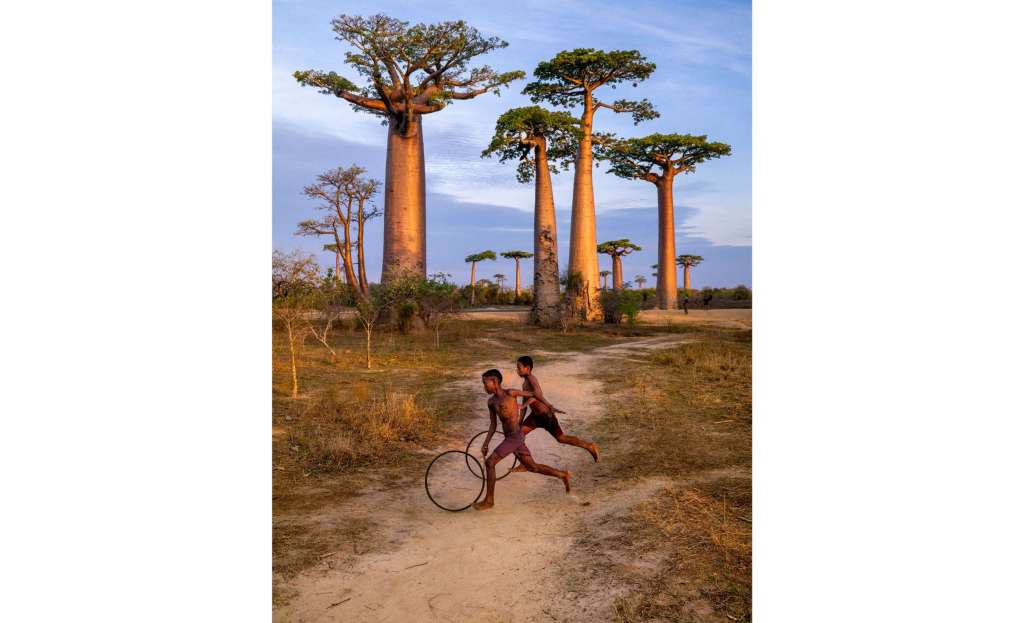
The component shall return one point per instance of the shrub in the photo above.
(619, 305)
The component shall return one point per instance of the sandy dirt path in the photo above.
(440, 566)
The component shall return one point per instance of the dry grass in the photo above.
(684, 413)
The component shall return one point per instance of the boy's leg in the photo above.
(488, 500)
(547, 470)
(555, 430)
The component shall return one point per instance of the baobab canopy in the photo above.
(570, 76)
(408, 71)
(676, 153)
(519, 131)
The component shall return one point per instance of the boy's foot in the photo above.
(482, 506)
(520, 468)
(565, 479)
(592, 449)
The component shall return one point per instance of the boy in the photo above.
(542, 412)
(502, 404)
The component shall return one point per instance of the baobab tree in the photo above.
(688, 262)
(500, 280)
(604, 279)
(473, 259)
(616, 249)
(409, 71)
(339, 191)
(536, 137)
(569, 80)
(517, 255)
(640, 281)
(672, 154)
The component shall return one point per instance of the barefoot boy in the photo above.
(542, 412)
(502, 404)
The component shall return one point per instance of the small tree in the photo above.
(439, 304)
(604, 279)
(517, 255)
(616, 249)
(473, 259)
(295, 296)
(688, 262)
(500, 280)
(333, 248)
(640, 281)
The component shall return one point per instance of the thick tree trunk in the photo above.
(583, 241)
(517, 277)
(472, 284)
(667, 291)
(686, 277)
(616, 272)
(405, 209)
(546, 296)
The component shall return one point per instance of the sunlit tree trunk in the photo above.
(344, 244)
(364, 285)
(472, 283)
(405, 209)
(616, 272)
(545, 245)
(667, 291)
(517, 277)
(337, 264)
(294, 358)
(686, 277)
(583, 240)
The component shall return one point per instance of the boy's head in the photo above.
(492, 380)
(524, 365)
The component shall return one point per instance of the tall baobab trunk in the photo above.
(616, 273)
(667, 292)
(337, 265)
(545, 245)
(686, 277)
(472, 283)
(405, 207)
(583, 241)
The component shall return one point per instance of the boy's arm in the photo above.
(539, 396)
(490, 431)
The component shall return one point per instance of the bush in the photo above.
(619, 305)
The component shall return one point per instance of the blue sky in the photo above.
(701, 86)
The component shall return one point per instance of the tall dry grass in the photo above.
(339, 430)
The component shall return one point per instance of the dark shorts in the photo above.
(541, 420)
(513, 443)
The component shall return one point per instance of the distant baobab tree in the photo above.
(409, 71)
(570, 80)
(500, 280)
(517, 255)
(604, 279)
(535, 137)
(688, 262)
(616, 249)
(640, 280)
(473, 259)
(339, 191)
(635, 158)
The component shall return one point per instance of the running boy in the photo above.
(502, 404)
(542, 412)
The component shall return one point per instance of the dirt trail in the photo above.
(441, 566)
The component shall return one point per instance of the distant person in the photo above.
(686, 305)
(707, 301)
